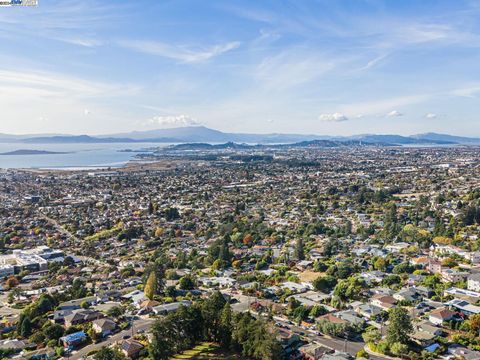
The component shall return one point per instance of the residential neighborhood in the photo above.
(324, 253)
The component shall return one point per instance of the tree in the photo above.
(12, 282)
(187, 282)
(159, 232)
(25, 329)
(151, 285)
(78, 289)
(391, 227)
(317, 310)
(372, 335)
(474, 322)
(400, 326)
(68, 261)
(226, 326)
(299, 249)
(52, 331)
(211, 310)
(115, 311)
(163, 339)
(380, 264)
(399, 349)
(84, 304)
(349, 289)
(107, 353)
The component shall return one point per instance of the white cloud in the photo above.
(291, 68)
(430, 116)
(394, 113)
(87, 112)
(86, 42)
(467, 91)
(186, 54)
(172, 121)
(336, 117)
(48, 84)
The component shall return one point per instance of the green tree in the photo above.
(162, 346)
(399, 349)
(400, 326)
(116, 311)
(25, 327)
(107, 353)
(211, 311)
(226, 326)
(325, 283)
(371, 335)
(151, 285)
(52, 331)
(299, 249)
(187, 282)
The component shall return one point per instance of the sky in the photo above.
(327, 67)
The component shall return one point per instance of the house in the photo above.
(58, 316)
(331, 318)
(439, 316)
(13, 344)
(337, 356)
(464, 306)
(473, 282)
(76, 304)
(72, 340)
(421, 261)
(409, 294)
(131, 348)
(289, 341)
(148, 305)
(461, 352)
(463, 294)
(312, 351)
(304, 264)
(104, 326)
(373, 276)
(423, 338)
(414, 279)
(81, 316)
(428, 327)
(350, 317)
(452, 275)
(368, 311)
(172, 307)
(434, 266)
(385, 302)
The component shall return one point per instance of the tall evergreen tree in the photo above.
(151, 285)
(400, 326)
(299, 249)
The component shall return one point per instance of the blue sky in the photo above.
(324, 67)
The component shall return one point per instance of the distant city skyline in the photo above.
(307, 67)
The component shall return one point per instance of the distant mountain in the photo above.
(183, 134)
(447, 138)
(69, 139)
(236, 146)
(400, 140)
(202, 134)
(31, 152)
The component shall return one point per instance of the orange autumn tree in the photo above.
(248, 239)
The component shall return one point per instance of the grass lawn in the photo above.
(309, 275)
(207, 351)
